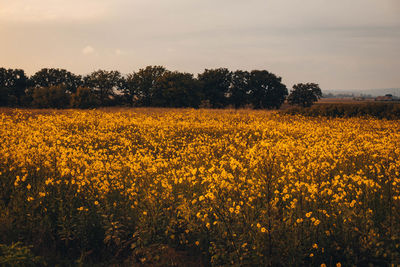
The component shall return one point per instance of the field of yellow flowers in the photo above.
(206, 187)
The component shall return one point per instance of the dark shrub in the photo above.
(376, 110)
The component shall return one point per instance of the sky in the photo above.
(341, 44)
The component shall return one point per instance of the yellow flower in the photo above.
(207, 163)
(327, 233)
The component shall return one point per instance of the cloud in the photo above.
(88, 50)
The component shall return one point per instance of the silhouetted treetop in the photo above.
(52, 77)
(215, 85)
(140, 85)
(266, 90)
(13, 83)
(104, 83)
(305, 94)
(149, 86)
(176, 89)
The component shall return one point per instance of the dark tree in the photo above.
(215, 85)
(84, 98)
(140, 86)
(105, 84)
(4, 90)
(304, 94)
(51, 97)
(176, 89)
(52, 77)
(266, 90)
(13, 83)
(4, 87)
(239, 89)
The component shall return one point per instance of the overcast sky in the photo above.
(341, 44)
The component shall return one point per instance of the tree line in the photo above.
(152, 86)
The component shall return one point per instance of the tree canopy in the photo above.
(176, 89)
(13, 83)
(140, 86)
(54, 96)
(214, 84)
(151, 86)
(239, 90)
(304, 94)
(47, 77)
(104, 83)
(266, 90)
(84, 98)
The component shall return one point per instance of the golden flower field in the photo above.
(205, 187)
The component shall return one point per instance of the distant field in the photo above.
(343, 100)
(323, 101)
(351, 100)
(178, 187)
